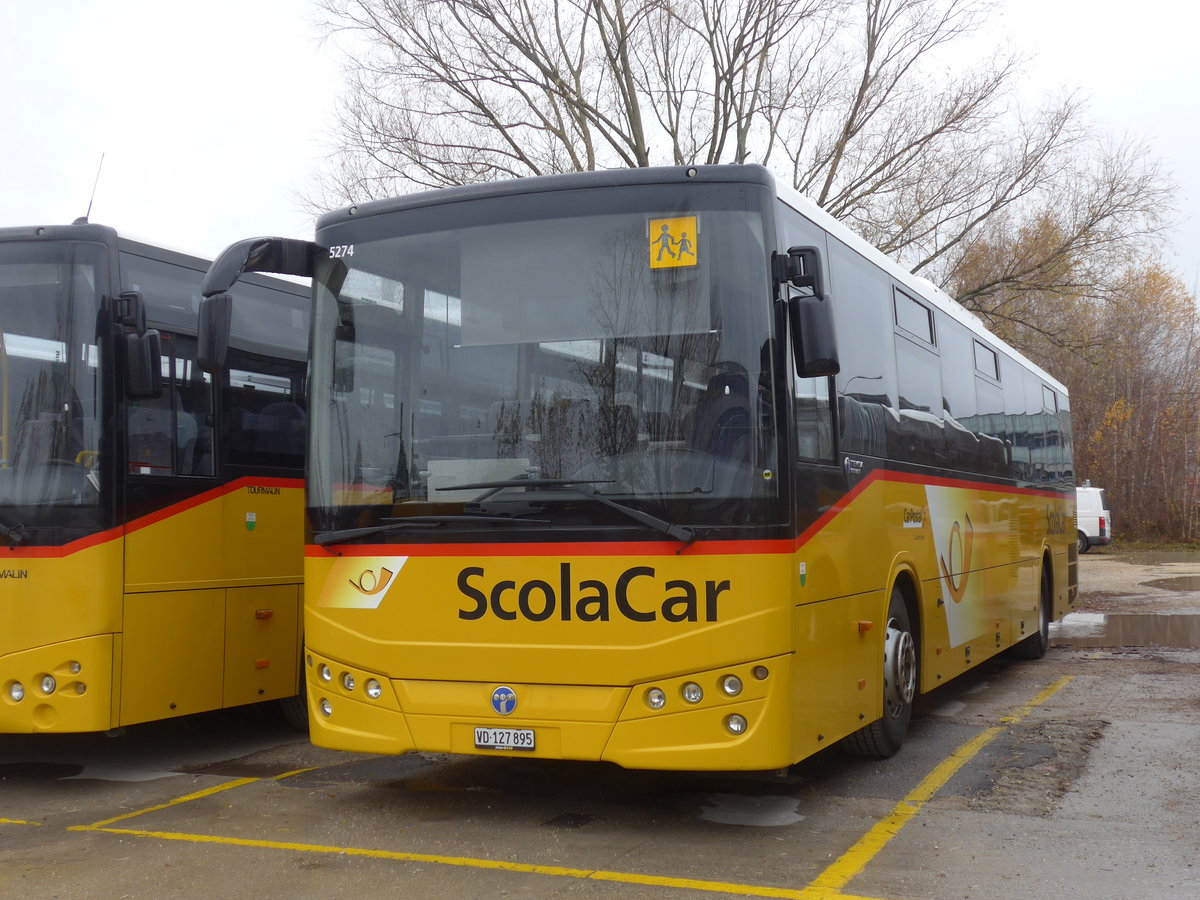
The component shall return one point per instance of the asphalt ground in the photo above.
(1073, 776)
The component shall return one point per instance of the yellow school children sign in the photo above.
(672, 242)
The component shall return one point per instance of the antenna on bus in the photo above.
(83, 220)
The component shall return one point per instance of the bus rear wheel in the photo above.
(1035, 645)
(883, 737)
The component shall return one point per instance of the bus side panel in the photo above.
(837, 685)
(60, 613)
(263, 532)
(261, 658)
(177, 548)
(972, 551)
(172, 654)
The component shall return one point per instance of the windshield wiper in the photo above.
(347, 534)
(583, 487)
(15, 533)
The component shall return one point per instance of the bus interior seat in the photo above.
(721, 421)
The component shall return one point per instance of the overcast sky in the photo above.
(212, 115)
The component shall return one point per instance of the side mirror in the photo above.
(279, 256)
(130, 309)
(810, 316)
(801, 267)
(814, 343)
(143, 369)
(212, 332)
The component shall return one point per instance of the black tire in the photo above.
(1035, 645)
(1082, 543)
(295, 709)
(883, 737)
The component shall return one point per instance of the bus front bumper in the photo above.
(64, 687)
(734, 721)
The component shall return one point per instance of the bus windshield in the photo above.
(618, 338)
(49, 386)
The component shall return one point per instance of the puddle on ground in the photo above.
(1083, 629)
(1179, 583)
(764, 812)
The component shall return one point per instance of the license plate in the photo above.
(504, 738)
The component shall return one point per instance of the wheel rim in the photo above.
(899, 668)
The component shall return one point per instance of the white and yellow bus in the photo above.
(590, 477)
(151, 515)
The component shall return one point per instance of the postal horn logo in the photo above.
(958, 546)
(371, 584)
(351, 586)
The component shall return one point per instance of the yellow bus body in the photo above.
(801, 624)
(193, 608)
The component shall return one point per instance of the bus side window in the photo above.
(170, 434)
(267, 424)
(192, 391)
(813, 417)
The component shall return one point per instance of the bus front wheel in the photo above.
(883, 737)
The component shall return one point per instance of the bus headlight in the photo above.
(326, 708)
(692, 692)
(75, 668)
(731, 685)
(16, 691)
(347, 681)
(324, 673)
(736, 724)
(374, 689)
(655, 698)
(48, 684)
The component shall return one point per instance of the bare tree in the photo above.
(843, 99)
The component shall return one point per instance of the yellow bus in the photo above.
(662, 467)
(151, 515)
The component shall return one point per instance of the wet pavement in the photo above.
(1149, 630)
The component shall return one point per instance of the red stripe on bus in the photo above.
(207, 497)
(112, 534)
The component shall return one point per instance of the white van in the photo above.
(1093, 521)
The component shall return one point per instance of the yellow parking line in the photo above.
(17, 822)
(207, 792)
(827, 886)
(470, 862)
(855, 859)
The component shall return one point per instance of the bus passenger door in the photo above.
(173, 618)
